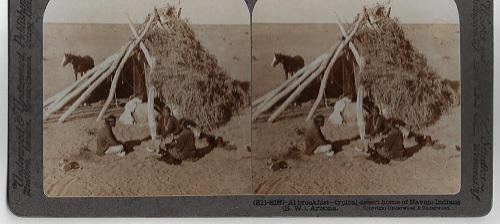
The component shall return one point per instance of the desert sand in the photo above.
(431, 170)
(139, 173)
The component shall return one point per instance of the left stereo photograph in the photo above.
(146, 98)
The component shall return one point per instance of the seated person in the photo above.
(106, 140)
(181, 148)
(376, 123)
(315, 141)
(169, 125)
(390, 147)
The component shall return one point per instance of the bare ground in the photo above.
(139, 173)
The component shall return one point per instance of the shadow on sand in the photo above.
(338, 145)
(129, 145)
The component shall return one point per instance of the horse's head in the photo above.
(276, 59)
(66, 60)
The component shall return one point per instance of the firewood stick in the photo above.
(329, 69)
(71, 95)
(266, 106)
(120, 67)
(92, 86)
(298, 74)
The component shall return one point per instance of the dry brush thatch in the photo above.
(398, 77)
(188, 77)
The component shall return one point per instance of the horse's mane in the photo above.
(279, 54)
(71, 55)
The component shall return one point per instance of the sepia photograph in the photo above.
(356, 97)
(146, 98)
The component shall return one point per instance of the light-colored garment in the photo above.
(338, 109)
(197, 132)
(326, 149)
(118, 150)
(127, 116)
(141, 115)
(406, 131)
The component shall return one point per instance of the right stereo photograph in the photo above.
(356, 97)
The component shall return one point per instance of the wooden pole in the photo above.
(360, 119)
(279, 88)
(94, 85)
(151, 97)
(352, 47)
(64, 92)
(141, 44)
(297, 91)
(120, 67)
(151, 115)
(74, 93)
(330, 66)
(267, 105)
(266, 98)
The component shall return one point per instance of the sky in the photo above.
(114, 11)
(236, 11)
(323, 11)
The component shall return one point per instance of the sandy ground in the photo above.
(428, 171)
(139, 173)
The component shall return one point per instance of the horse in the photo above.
(290, 64)
(80, 64)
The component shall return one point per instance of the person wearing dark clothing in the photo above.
(376, 124)
(181, 148)
(184, 145)
(315, 141)
(390, 147)
(170, 126)
(106, 140)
